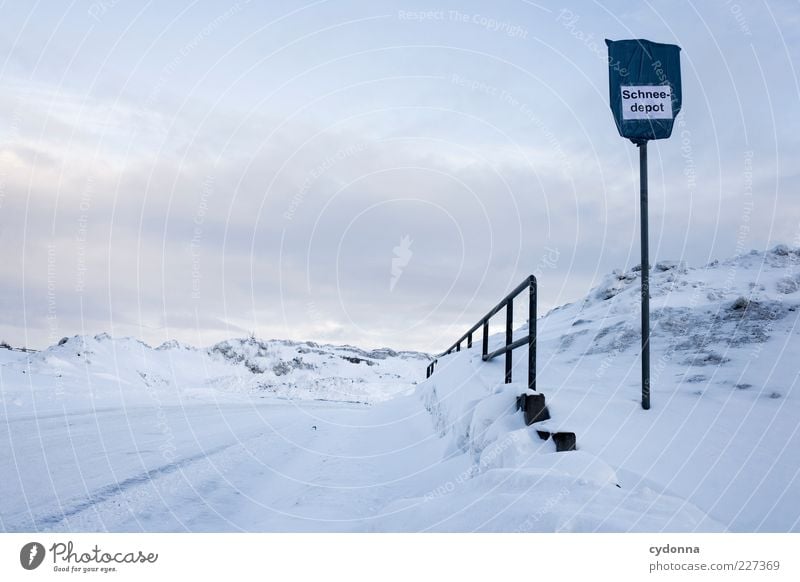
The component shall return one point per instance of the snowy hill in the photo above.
(309, 370)
(722, 433)
(111, 434)
(83, 373)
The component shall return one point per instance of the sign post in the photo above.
(645, 263)
(645, 96)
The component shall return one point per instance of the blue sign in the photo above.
(644, 81)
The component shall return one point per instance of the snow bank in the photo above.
(517, 481)
(719, 446)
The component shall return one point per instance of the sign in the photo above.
(646, 102)
(644, 83)
(644, 79)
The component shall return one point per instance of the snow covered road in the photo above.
(282, 466)
(209, 467)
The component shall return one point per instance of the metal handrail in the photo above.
(511, 344)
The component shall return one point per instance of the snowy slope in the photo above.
(87, 373)
(310, 370)
(84, 373)
(722, 434)
(105, 434)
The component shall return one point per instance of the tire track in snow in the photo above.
(114, 489)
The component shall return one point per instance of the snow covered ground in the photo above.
(722, 434)
(110, 434)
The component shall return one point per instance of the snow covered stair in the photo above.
(535, 411)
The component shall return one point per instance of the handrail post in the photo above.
(510, 345)
(485, 338)
(532, 335)
(509, 336)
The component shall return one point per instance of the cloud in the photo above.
(271, 197)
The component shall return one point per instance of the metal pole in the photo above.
(532, 336)
(485, 346)
(645, 276)
(509, 336)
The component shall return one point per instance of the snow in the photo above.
(88, 372)
(722, 434)
(109, 434)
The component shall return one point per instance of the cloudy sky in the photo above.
(377, 173)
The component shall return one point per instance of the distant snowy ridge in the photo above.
(89, 371)
(311, 370)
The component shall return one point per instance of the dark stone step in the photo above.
(533, 407)
(535, 410)
(564, 441)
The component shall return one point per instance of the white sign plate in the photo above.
(646, 102)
